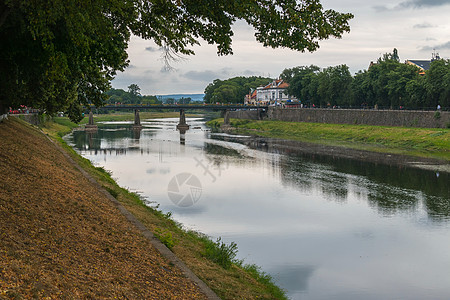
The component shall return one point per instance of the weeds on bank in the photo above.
(220, 253)
(165, 237)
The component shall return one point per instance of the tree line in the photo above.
(385, 84)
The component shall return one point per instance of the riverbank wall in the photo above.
(248, 114)
(402, 118)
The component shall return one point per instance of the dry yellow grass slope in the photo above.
(60, 237)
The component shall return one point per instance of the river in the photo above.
(323, 227)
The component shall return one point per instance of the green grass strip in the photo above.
(422, 142)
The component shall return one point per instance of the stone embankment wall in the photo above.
(32, 119)
(245, 114)
(425, 119)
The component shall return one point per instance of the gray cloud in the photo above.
(152, 49)
(412, 4)
(423, 25)
(207, 75)
(380, 8)
(423, 3)
(444, 46)
(250, 73)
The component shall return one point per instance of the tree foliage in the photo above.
(232, 90)
(386, 84)
(59, 53)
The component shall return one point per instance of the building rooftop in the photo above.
(423, 64)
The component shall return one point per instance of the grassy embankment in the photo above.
(62, 237)
(421, 142)
(213, 262)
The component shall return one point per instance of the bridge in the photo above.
(213, 107)
(182, 125)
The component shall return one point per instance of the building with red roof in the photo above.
(274, 93)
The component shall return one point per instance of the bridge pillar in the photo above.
(91, 125)
(137, 120)
(226, 120)
(226, 117)
(262, 113)
(182, 136)
(182, 124)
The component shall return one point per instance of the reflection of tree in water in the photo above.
(220, 150)
(334, 186)
(219, 157)
(305, 176)
(389, 189)
(110, 133)
(390, 200)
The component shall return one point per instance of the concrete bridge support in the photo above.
(91, 125)
(137, 120)
(226, 120)
(226, 117)
(182, 125)
(262, 113)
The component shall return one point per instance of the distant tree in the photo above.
(335, 86)
(362, 93)
(150, 100)
(397, 82)
(170, 100)
(130, 97)
(390, 56)
(417, 93)
(299, 79)
(184, 100)
(134, 90)
(438, 83)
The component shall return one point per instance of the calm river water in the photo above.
(324, 228)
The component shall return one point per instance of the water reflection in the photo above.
(336, 176)
(388, 188)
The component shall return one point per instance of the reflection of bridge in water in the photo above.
(182, 126)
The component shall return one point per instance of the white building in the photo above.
(274, 92)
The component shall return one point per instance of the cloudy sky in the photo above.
(414, 27)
